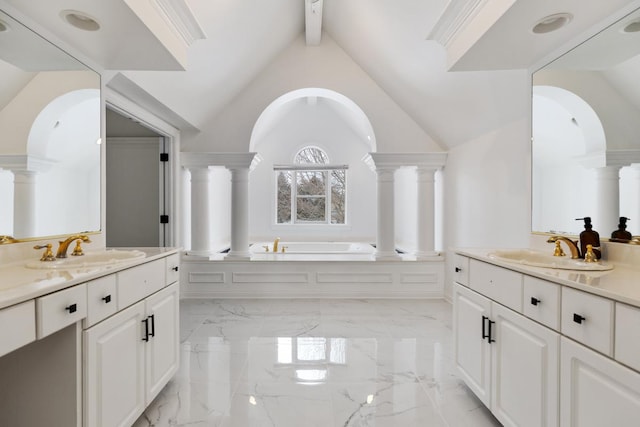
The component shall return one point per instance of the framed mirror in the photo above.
(586, 134)
(50, 135)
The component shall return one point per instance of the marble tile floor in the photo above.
(325, 363)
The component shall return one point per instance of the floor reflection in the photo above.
(316, 363)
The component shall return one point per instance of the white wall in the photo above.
(325, 66)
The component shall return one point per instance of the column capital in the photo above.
(434, 160)
(613, 158)
(238, 160)
(25, 163)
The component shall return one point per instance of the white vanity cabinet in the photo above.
(22, 318)
(541, 353)
(130, 356)
(507, 360)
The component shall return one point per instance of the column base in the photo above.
(387, 256)
(428, 255)
(238, 256)
(199, 254)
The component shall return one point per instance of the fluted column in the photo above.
(200, 211)
(24, 203)
(385, 241)
(425, 227)
(607, 197)
(239, 212)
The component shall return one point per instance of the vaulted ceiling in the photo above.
(195, 68)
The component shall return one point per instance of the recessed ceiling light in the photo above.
(80, 20)
(632, 27)
(552, 23)
(4, 27)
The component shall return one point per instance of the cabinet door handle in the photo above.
(175, 268)
(491, 322)
(71, 308)
(146, 329)
(484, 329)
(107, 299)
(578, 319)
(153, 325)
(535, 301)
(458, 269)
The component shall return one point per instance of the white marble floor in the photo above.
(325, 363)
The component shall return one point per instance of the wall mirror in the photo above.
(50, 135)
(586, 134)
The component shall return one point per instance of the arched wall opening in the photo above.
(332, 122)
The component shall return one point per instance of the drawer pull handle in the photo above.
(175, 268)
(107, 299)
(153, 325)
(71, 308)
(458, 269)
(535, 301)
(577, 318)
(146, 329)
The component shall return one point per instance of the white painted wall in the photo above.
(325, 66)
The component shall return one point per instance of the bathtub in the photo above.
(312, 248)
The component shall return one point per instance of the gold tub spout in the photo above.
(275, 244)
(573, 246)
(64, 244)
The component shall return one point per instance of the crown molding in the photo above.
(180, 18)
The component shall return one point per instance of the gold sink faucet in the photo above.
(275, 244)
(573, 246)
(64, 245)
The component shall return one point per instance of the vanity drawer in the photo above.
(173, 267)
(497, 283)
(60, 309)
(18, 326)
(627, 348)
(541, 301)
(461, 269)
(589, 319)
(139, 282)
(101, 300)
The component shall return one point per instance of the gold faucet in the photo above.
(4, 240)
(47, 255)
(573, 246)
(64, 244)
(275, 244)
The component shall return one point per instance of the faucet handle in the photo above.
(77, 251)
(48, 254)
(558, 249)
(266, 248)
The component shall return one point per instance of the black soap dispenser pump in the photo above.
(621, 234)
(589, 237)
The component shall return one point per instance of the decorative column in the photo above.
(607, 204)
(239, 212)
(385, 239)
(24, 203)
(200, 211)
(425, 227)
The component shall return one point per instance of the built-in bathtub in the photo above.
(312, 270)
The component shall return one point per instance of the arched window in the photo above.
(312, 189)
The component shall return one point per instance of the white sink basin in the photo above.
(542, 259)
(89, 259)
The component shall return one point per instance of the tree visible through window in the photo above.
(311, 191)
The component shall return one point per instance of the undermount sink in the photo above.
(542, 259)
(89, 259)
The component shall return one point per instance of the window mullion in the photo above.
(294, 198)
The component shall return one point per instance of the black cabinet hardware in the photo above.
(175, 268)
(153, 325)
(458, 269)
(578, 319)
(535, 301)
(146, 329)
(71, 308)
(486, 332)
(489, 339)
(107, 299)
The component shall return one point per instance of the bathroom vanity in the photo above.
(87, 346)
(542, 346)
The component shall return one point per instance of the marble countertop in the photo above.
(19, 283)
(621, 284)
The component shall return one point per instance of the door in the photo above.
(472, 352)
(135, 192)
(114, 370)
(163, 344)
(525, 369)
(596, 391)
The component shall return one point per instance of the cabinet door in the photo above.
(595, 390)
(525, 370)
(114, 369)
(163, 344)
(471, 351)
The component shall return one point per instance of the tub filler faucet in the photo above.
(275, 244)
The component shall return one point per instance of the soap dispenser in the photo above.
(621, 234)
(589, 237)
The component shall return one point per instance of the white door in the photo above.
(595, 391)
(472, 352)
(525, 370)
(114, 370)
(163, 346)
